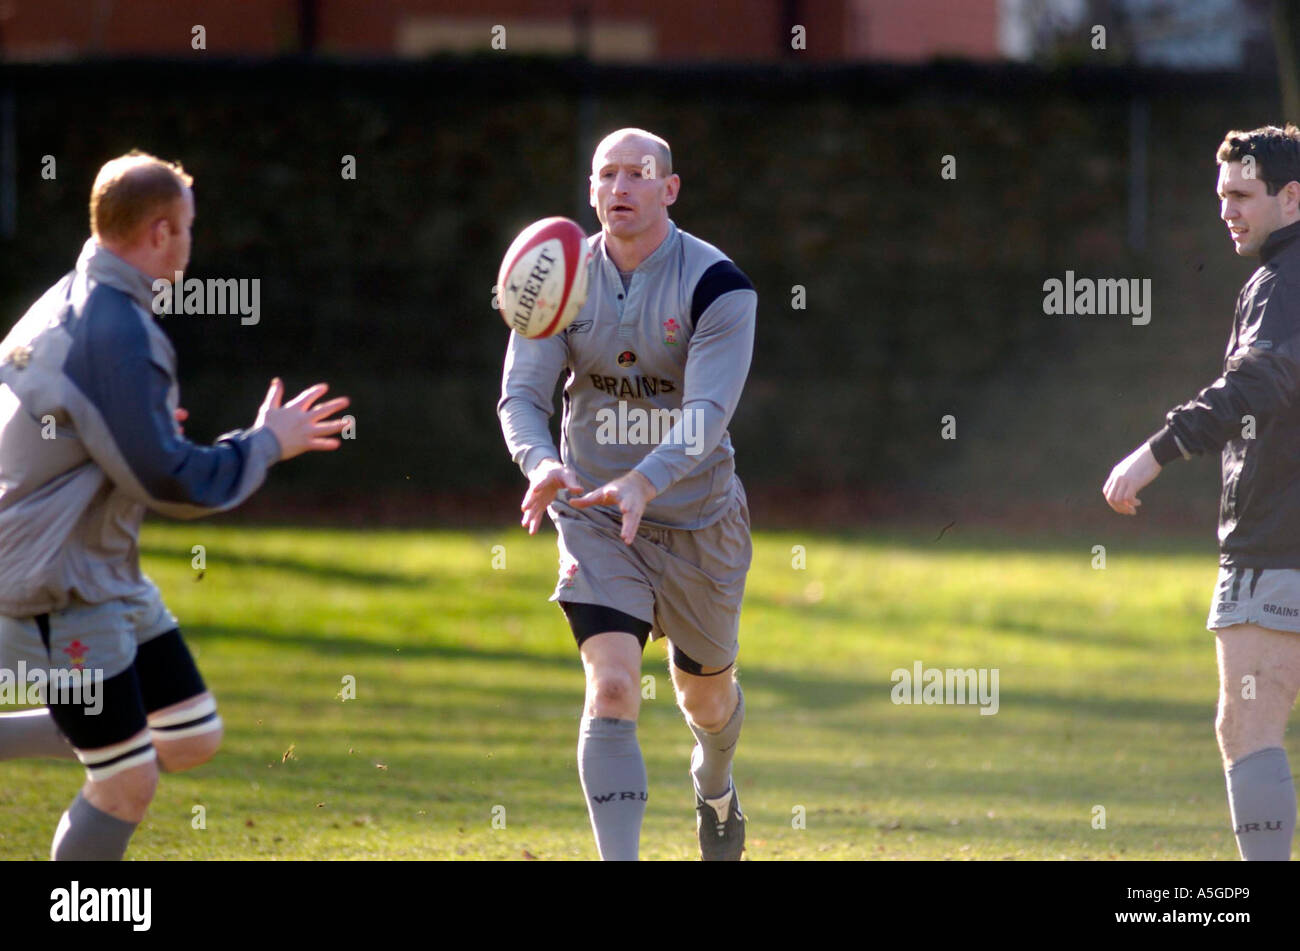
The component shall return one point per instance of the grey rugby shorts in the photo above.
(102, 637)
(1269, 597)
(688, 584)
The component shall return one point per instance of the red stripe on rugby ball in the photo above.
(573, 241)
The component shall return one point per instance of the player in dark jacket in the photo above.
(1251, 415)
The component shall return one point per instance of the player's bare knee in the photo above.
(1242, 729)
(613, 693)
(125, 795)
(708, 711)
(1228, 722)
(178, 755)
(613, 688)
(708, 701)
(187, 734)
(1226, 733)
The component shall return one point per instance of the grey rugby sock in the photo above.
(32, 733)
(1261, 798)
(85, 834)
(711, 759)
(614, 780)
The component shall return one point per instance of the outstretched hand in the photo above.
(631, 493)
(297, 425)
(547, 479)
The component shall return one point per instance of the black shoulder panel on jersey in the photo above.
(719, 279)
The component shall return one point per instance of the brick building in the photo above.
(607, 30)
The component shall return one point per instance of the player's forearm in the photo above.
(1165, 446)
(528, 438)
(687, 444)
(182, 480)
(525, 407)
(543, 460)
(525, 425)
(1257, 385)
(716, 369)
(129, 430)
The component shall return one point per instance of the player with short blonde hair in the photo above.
(90, 438)
(133, 191)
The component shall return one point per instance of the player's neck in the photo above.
(137, 257)
(628, 255)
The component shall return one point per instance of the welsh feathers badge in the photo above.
(568, 572)
(77, 652)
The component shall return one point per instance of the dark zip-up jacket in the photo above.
(1251, 414)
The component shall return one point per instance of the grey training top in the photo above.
(654, 375)
(88, 440)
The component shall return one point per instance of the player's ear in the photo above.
(1291, 196)
(591, 190)
(672, 185)
(159, 232)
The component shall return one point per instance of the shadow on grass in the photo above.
(321, 572)
(798, 691)
(892, 616)
(809, 693)
(983, 539)
(1091, 706)
(357, 646)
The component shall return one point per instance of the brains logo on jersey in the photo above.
(626, 358)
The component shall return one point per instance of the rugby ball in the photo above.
(543, 279)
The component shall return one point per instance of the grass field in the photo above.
(468, 693)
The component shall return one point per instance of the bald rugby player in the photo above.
(654, 535)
